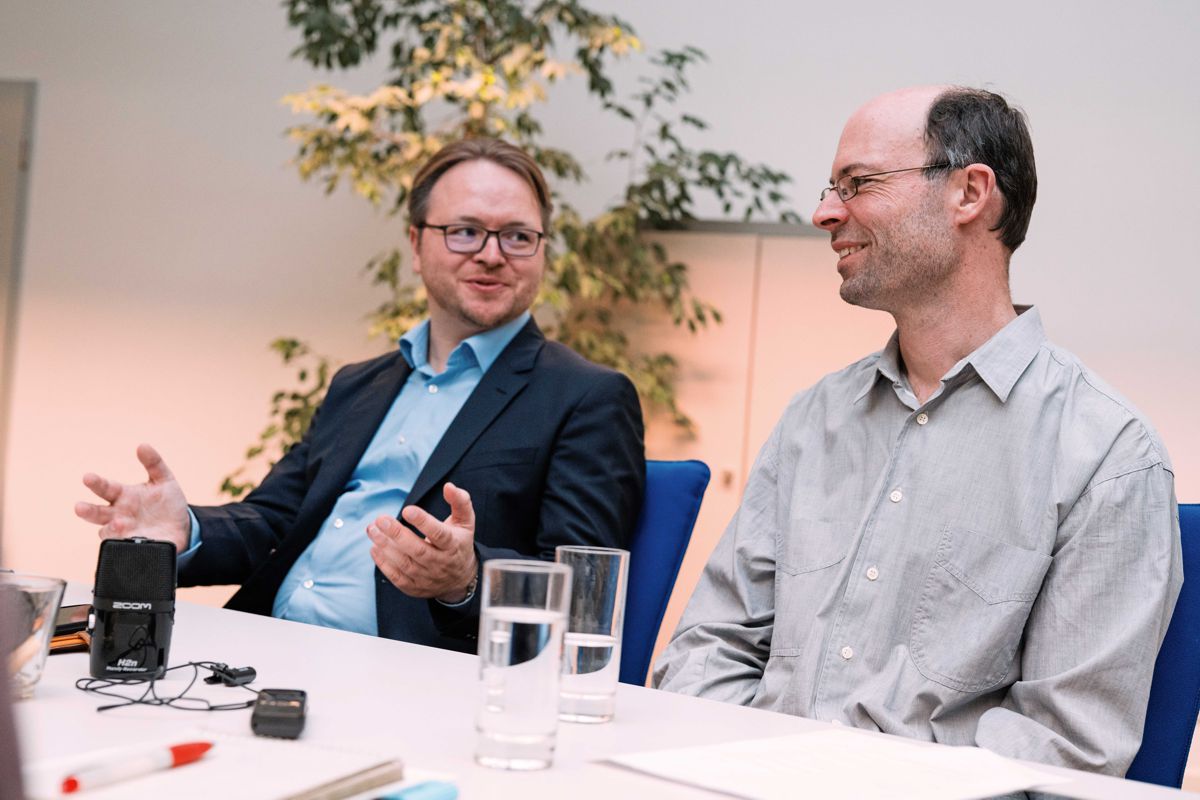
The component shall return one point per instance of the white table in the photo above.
(418, 703)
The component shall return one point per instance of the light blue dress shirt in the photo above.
(331, 583)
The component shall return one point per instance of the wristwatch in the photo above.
(471, 587)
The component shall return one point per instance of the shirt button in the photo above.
(922, 418)
(896, 496)
(872, 573)
(433, 388)
(337, 523)
(847, 653)
(402, 440)
(308, 584)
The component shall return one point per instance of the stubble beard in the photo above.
(905, 265)
(485, 317)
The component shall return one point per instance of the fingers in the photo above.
(102, 487)
(389, 534)
(394, 563)
(112, 525)
(435, 532)
(89, 512)
(110, 491)
(462, 513)
(118, 528)
(416, 516)
(391, 546)
(156, 468)
(441, 564)
(442, 534)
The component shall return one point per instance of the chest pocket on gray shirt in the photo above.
(810, 545)
(973, 607)
(804, 556)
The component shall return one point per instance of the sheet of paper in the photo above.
(838, 764)
(236, 766)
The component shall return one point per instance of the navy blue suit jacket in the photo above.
(549, 445)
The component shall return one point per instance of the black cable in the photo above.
(150, 696)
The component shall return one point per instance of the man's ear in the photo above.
(975, 193)
(414, 243)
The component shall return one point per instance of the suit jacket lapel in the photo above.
(503, 381)
(356, 428)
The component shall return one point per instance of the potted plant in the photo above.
(481, 68)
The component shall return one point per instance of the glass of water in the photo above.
(29, 605)
(521, 624)
(592, 656)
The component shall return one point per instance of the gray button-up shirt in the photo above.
(995, 567)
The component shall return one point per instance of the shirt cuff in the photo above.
(193, 541)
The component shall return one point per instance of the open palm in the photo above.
(156, 509)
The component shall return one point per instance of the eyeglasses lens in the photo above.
(469, 239)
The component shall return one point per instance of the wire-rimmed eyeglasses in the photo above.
(848, 185)
(470, 239)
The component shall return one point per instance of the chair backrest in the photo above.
(674, 490)
(1175, 690)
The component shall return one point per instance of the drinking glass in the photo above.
(29, 604)
(522, 618)
(592, 648)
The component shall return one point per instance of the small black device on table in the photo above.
(279, 713)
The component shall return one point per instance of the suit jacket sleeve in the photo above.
(593, 488)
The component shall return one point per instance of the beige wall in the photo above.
(168, 241)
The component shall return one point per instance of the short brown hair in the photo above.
(974, 126)
(498, 152)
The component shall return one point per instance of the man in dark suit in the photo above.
(497, 443)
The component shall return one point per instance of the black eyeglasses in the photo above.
(848, 185)
(471, 239)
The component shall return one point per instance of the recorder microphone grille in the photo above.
(136, 569)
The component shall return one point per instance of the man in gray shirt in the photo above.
(966, 537)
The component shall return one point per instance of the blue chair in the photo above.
(674, 490)
(1175, 690)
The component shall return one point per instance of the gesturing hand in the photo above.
(155, 509)
(441, 565)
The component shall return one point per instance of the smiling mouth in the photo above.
(485, 284)
(845, 251)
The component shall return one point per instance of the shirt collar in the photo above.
(887, 364)
(1002, 359)
(999, 361)
(483, 347)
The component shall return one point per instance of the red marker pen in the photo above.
(135, 766)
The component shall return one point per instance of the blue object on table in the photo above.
(1175, 690)
(426, 790)
(674, 490)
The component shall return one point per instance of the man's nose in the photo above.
(831, 212)
(491, 253)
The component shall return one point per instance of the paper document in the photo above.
(838, 764)
(235, 767)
